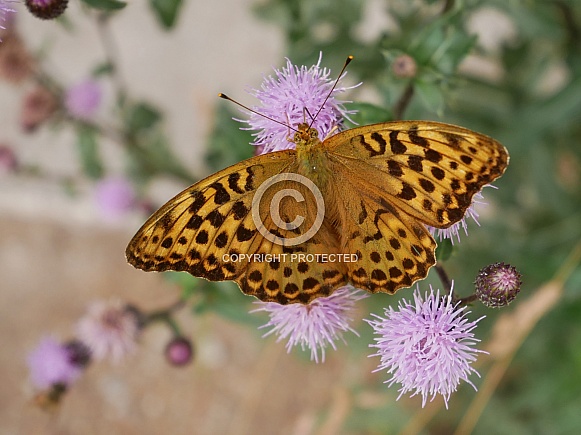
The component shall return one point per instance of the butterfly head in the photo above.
(305, 136)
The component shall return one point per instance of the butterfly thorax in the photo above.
(311, 156)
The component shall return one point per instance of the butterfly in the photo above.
(376, 187)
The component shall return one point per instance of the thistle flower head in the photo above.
(8, 160)
(83, 99)
(38, 106)
(109, 329)
(314, 326)
(46, 9)
(16, 63)
(289, 97)
(52, 363)
(426, 345)
(6, 16)
(497, 285)
(114, 197)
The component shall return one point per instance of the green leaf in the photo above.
(103, 69)
(89, 152)
(228, 144)
(106, 5)
(430, 94)
(142, 116)
(369, 113)
(166, 11)
(156, 156)
(444, 250)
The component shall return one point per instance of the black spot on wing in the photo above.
(233, 179)
(416, 139)
(222, 196)
(397, 147)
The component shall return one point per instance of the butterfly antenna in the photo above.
(347, 62)
(226, 97)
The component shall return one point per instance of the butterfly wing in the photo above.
(395, 178)
(301, 270)
(209, 231)
(428, 170)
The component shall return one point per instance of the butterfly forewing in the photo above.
(428, 170)
(209, 231)
(194, 230)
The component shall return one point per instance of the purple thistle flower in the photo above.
(83, 99)
(114, 197)
(285, 98)
(8, 160)
(6, 16)
(110, 330)
(313, 326)
(50, 363)
(427, 346)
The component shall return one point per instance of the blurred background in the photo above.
(511, 70)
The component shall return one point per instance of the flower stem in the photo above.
(403, 102)
(444, 278)
(111, 54)
(165, 315)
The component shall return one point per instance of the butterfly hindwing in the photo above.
(393, 249)
(295, 273)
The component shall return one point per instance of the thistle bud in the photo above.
(404, 66)
(46, 9)
(179, 351)
(79, 353)
(497, 285)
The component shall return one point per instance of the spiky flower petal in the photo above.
(426, 345)
(109, 329)
(6, 16)
(453, 232)
(114, 196)
(51, 363)
(314, 326)
(291, 97)
(83, 99)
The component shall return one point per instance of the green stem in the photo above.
(111, 54)
(166, 316)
